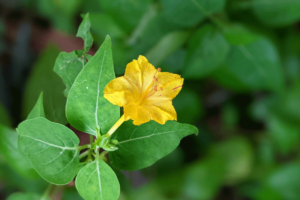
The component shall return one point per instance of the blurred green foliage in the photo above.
(241, 64)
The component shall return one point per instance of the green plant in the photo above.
(53, 149)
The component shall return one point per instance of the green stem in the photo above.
(47, 191)
(86, 146)
(84, 154)
(91, 139)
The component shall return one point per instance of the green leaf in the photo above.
(207, 50)
(284, 133)
(51, 148)
(4, 117)
(43, 79)
(166, 46)
(277, 13)
(85, 34)
(260, 69)
(68, 66)
(126, 12)
(12, 154)
(29, 196)
(98, 181)
(38, 109)
(187, 13)
(141, 146)
(87, 109)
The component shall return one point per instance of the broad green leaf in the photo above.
(12, 154)
(237, 154)
(203, 179)
(255, 66)
(44, 79)
(28, 196)
(166, 46)
(188, 106)
(68, 66)
(141, 146)
(277, 12)
(284, 133)
(126, 12)
(4, 117)
(51, 148)
(38, 109)
(85, 34)
(207, 50)
(187, 13)
(87, 109)
(98, 181)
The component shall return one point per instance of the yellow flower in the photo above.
(145, 92)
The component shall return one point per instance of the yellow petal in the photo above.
(119, 91)
(138, 114)
(167, 86)
(141, 73)
(161, 111)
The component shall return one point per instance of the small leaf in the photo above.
(207, 50)
(51, 148)
(68, 66)
(85, 34)
(87, 109)
(23, 196)
(141, 146)
(187, 13)
(98, 181)
(38, 109)
(12, 154)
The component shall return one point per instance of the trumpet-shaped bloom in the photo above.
(145, 92)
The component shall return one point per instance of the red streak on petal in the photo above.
(177, 87)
